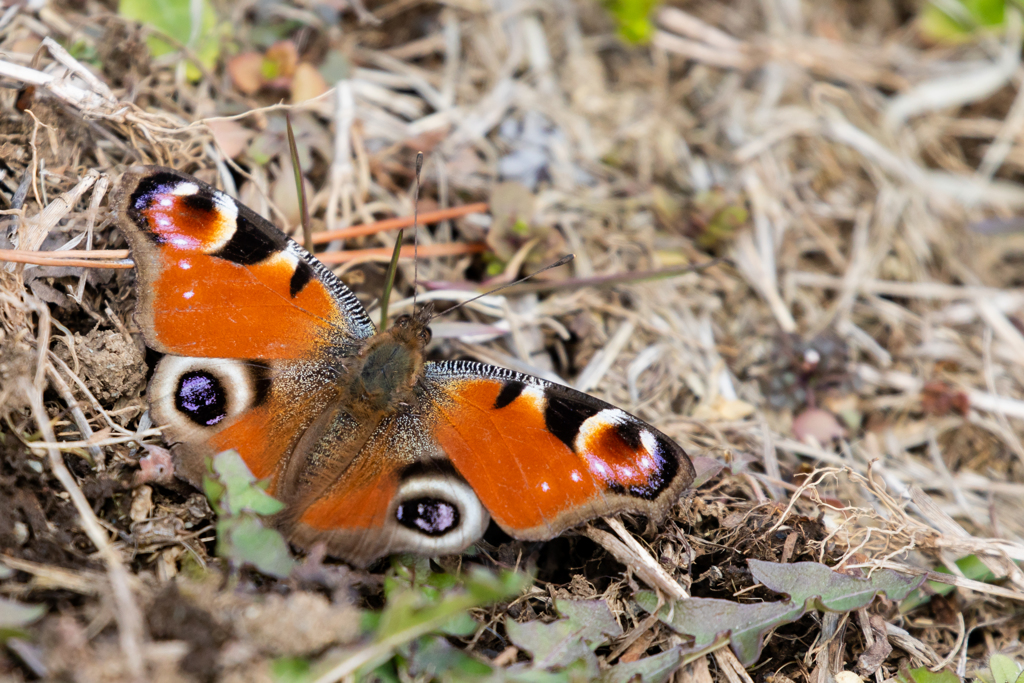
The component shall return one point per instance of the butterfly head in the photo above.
(414, 328)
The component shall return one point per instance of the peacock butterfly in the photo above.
(373, 449)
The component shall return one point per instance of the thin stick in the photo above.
(39, 259)
(384, 253)
(42, 258)
(73, 257)
(74, 253)
(129, 618)
(613, 279)
(396, 223)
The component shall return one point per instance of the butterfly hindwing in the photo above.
(399, 494)
(260, 408)
(216, 280)
(542, 457)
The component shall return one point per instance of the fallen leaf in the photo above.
(939, 398)
(819, 424)
(231, 136)
(246, 72)
(307, 83)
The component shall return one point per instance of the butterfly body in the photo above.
(373, 449)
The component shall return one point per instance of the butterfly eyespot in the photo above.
(430, 516)
(200, 396)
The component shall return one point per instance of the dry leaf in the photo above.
(282, 193)
(246, 72)
(231, 136)
(819, 424)
(307, 83)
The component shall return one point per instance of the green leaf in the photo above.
(633, 18)
(971, 566)
(808, 584)
(431, 657)
(923, 675)
(244, 540)
(412, 613)
(291, 670)
(709, 621)
(411, 608)
(654, 669)
(242, 492)
(460, 625)
(1004, 669)
(174, 18)
(957, 21)
(829, 590)
(568, 642)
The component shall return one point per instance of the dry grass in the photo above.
(877, 278)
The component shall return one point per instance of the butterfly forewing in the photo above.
(216, 280)
(543, 457)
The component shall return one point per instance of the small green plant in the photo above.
(808, 585)
(971, 567)
(633, 18)
(239, 499)
(423, 606)
(956, 21)
(924, 675)
(1001, 669)
(173, 18)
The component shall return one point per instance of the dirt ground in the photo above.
(797, 254)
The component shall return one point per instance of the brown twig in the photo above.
(80, 258)
(384, 253)
(397, 223)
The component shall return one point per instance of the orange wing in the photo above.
(398, 494)
(260, 408)
(254, 328)
(542, 457)
(216, 280)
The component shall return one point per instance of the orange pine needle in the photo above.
(396, 223)
(60, 258)
(81, 258)
(384, 253)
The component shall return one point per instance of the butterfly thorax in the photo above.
(390, 364)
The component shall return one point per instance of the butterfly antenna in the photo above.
(560, 262)
(415, 229)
